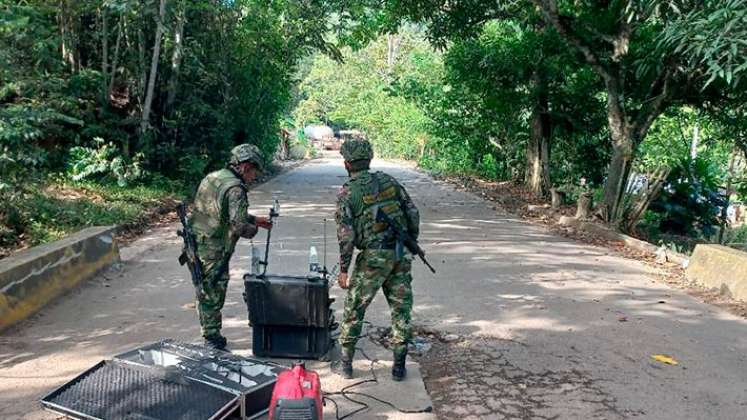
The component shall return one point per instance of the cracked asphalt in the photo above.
(526, 324)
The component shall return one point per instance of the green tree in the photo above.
(530, 93)
(616, 40)
(374, 90)
(171, 80)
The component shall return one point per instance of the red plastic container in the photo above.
(297, 395)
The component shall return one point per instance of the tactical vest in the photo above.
(368, 193)
(210, 215)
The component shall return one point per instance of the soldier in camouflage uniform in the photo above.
(382, 263)
(218, 220)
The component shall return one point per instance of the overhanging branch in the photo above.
(655, 104)
(549, 10)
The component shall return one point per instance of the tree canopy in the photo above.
(592, 97)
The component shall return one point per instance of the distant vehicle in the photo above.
(331, 143)
(318, 135)
(349, 134)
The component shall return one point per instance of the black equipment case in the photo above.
(291, 316)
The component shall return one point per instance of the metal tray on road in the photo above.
(169, 380)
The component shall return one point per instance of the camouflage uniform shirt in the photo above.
(378, 266)
(219, 219)
(357, 201)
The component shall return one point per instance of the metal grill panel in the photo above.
(116, 390)
(296, 414)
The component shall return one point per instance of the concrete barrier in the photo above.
(34, 277)
(629, 241)
(719, 267)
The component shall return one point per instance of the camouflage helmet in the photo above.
(246, 153)
(356, 149)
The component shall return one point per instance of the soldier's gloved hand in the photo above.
(263, 222)
(342, 280)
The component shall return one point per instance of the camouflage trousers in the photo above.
(211, 296)
(374, 270)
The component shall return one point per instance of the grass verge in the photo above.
(47, 211)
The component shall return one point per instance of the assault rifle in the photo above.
(403, 236)
(189, 250)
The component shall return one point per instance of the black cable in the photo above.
(345, 393)
(337, 409)
(387, 403)
(364, 407)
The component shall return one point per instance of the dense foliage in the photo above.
(172, 82)
(551, 93)
(595, 95)
(127, 91)
(370, 90)
(691, 204)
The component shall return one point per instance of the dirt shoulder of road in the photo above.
(515, 199)
(156, 211)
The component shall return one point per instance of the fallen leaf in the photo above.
(663, 358)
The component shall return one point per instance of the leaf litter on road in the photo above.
(663, 358)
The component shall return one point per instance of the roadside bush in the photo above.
(690, 203)
(11, 221)
(488, 167)
(57, 207)
(650, 225)
(192, 168)
(737, 238)
(104, 161)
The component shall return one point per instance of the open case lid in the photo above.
(167, 380)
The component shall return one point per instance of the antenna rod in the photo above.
(325, 246)
(273, 214)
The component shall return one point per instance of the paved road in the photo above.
(546, 327)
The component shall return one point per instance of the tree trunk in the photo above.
(115, 60)
(533, 165)
(725, 209)
(145, 121)
(583, 206)
(393, 41)
(104, 45)
(623, 147)
(176, 58)
(694, 142)
(625, 139)
(557, 198)
(545, 152)
(538, 149)
(67, 34)
(644, 199)
(617, 179)
(142, 71)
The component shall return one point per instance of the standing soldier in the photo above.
(219, 219)
(381, 262)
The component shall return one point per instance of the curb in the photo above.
(603, 232)
(32, 278)
(719, 268)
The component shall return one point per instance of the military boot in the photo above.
(344, 366)
(398, 367)
(217, 342)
